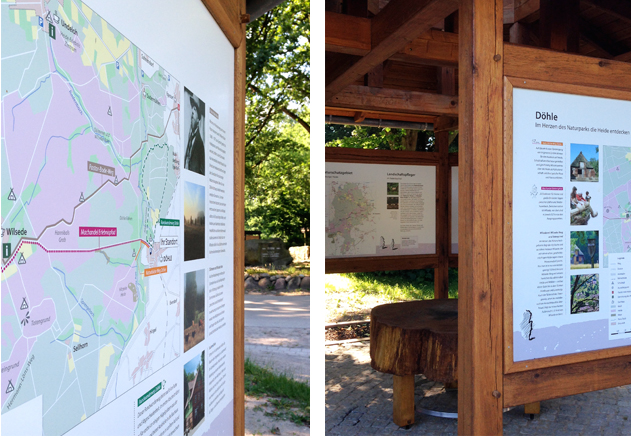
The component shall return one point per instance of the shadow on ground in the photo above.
(359, 402)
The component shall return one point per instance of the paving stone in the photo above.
(359, 402)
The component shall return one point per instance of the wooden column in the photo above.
(559, 25)
(480, 366)
(239, 231)
(443, 175)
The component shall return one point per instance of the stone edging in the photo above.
(279, 283)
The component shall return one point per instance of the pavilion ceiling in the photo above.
(398, 58)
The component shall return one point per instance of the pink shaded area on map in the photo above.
(611, 203)
(123, 275)
(18, 356)
(26, 283)
(41, 318)
(117, 311)
(50, 240)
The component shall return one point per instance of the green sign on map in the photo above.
(6, 250)
(149, 394)
(51, 31)
(169, 222)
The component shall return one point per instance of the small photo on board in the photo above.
(584, 293)
(393, 202)
(194, 154)
(583, 249)
(584, 167)
(194, 221)
(193, 394)
(581, 210)
(194, 306)
(393, 189)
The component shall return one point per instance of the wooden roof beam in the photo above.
(619, 8)
(525, 11)
(399, 23)
(605, 47)
(352, 36)
(369, 99)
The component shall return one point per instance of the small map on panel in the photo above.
(91, 208)
(349, 218)
(617, 201)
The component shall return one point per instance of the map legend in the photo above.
(619, 324)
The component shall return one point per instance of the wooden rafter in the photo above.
(399, 23)
(368, 99)
(605, 46)
(619, 8)
(352, 36)
(380, 115)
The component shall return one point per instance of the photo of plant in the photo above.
(584, 293)
(583, 249)
(393, 189)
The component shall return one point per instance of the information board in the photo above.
(117, 219)
(380, 210)
(571, 224)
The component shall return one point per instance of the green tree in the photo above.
(278, 122)
(278, 188)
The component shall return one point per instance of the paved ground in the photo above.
(359, 402)
(277, 333)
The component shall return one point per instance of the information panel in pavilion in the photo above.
(571, 224)
(380, 210)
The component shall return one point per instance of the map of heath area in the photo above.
(349, 218)
(91, 208)
(616, 169)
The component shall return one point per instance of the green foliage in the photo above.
(277, 122)
(584, 293)
(362, 137)
(277, 189)
(277, 60)
(417, 284)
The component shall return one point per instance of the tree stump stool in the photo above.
(416, 337)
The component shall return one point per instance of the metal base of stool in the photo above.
(440, 414)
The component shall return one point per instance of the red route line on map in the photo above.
(54, 251)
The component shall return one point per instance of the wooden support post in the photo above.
(403, 400)
(559, 25)
(443, 176)
(239, 232)
(480, 224)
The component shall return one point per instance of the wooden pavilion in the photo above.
(450, 63)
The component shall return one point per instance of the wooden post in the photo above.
(403, 400)
(239, 231)
(480, 223)
(559, 25)
(443, 175)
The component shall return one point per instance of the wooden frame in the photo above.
(227, 14)
(239, 231)
(509, 365)
(545, 378)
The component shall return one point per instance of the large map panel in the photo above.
(91, 199)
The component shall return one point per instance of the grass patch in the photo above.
(351, 296)
(293, 269)
(393, 285)
(291, 397)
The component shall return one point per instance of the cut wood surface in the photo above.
(416, 337)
